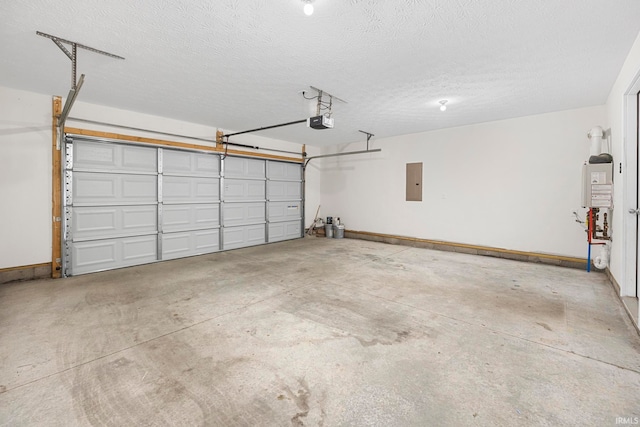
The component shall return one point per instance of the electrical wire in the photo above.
(313, 97)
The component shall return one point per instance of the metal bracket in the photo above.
(320, 105)
(71, 98)
(73, 54)
(349, 153)
(369, 135)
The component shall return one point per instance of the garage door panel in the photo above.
(238, 167)
(135, 188)
(240, 189)
(114, 157)
(285, 211)
(240, 237)
(112, 221)
(140, 219)
(116, 193)
(284, 231)
(284, 190)
(207, 240)
(109, 189)
(94, 187)
(144, 159)
(243, 213)
(190, 217)
(139, 249)
(181, 189)
(175, 245)
(112, 253)
(189, 243)
(284, 171)
(186, 163)
(93, 254)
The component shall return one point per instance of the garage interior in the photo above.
(314, 212)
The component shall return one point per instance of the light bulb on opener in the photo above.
(443, 106)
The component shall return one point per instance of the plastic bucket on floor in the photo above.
(328, 230)
(338, 231)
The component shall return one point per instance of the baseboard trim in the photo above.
(563, 261)
(25, 272)
(616, 287)
(613, 280)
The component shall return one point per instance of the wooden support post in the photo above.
(56, 198)
(219, 135)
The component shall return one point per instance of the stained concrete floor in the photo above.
(319, 332)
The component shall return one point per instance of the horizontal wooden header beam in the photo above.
(186, 145)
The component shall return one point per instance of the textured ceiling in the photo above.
(240, 64)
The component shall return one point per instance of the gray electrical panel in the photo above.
(414, 182)
(597, 185)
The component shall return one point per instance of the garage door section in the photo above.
(128, 204)
(111, 206)
(244, 202)
(284, 195)
(189, 208)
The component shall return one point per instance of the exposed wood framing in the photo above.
(165, 143)
(56, 191)
(219, 135)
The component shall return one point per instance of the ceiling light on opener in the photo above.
(443, 104)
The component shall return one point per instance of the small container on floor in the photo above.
(328, 230)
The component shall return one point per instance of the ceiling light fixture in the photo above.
(443, 105)
(308, 7)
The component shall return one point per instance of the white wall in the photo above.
(25, 178)
(508, 184)
(622, 262)
(25, 166)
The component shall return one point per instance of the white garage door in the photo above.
(111, 206)
(284, 194)
(190, 203)
(244, 200)
(129, 204)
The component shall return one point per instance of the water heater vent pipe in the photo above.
(595, 135)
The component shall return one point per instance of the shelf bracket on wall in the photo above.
(73, 56)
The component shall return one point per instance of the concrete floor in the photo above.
(319, 332)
